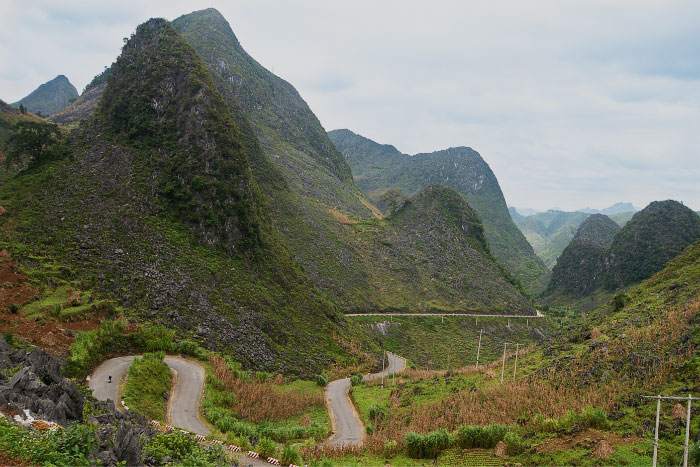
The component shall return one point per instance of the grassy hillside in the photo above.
(573, 395)
(155, 207)
(49, 98)
(378, 168)
(81, 108)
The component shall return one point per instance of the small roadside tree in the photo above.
(36, 140)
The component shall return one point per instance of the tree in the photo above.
(37, 140)
(22, 108)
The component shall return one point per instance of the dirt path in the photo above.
(347, 426)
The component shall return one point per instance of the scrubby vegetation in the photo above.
(148, 385)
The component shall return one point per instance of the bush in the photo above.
(514, 444)
(182, 448)
(14, 308)
(619, 301)
(266, 447)
(91, 347)
(158, 338)
(545, 425)
(290, 455)
(322, 380)
(427, 446)
(9, 338)
(477, 436)
(369, 428)
(263, 376)
(377, 413)
(390, 448)
(356, 380)
(594, 418)
(694, 454)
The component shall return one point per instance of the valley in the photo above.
(195, 272)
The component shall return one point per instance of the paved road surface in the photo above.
(347, 427)
(538, 315)
(185, 401)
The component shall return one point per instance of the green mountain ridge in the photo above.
(378, 168)
(642, 247)
(156, 207)
(49, 98)
(314, 203)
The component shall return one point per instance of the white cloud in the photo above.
(581, 103)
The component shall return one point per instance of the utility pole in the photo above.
(383, 355)
(503, 367)
(516, 360)
(478, 350)
(658, 398)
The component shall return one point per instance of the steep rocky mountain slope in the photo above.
(81, 108)
(49, 98)
(307, 182)
(432, 255)
(378, 168)
(156, 208)
(579, 269)
(642, 247)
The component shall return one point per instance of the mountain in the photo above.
(653, 237)
(361, 261)
(378, 168)
(622, 218)
(432, 255)
(81, 108)
(156, 208)
(579, 269)
(550, 232)
(49, 98)
(599, 260)
(614, 209)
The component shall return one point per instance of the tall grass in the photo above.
(259, 400)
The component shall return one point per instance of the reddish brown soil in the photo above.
(5, 460)
(54, 336)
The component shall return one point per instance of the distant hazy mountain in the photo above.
(614, 209)
(550, 232)
(377, 168)
(642, 247)
(49, 98)
(525, 211)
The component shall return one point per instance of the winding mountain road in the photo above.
(347, 426)
(182, 408)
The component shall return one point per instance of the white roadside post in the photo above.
(515, 368)
(687, 433)
(658, 398)
(503, 367)
(478, 350)
(656, 431)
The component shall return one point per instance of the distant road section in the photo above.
(347, 426)
(538, 315)
(184, 405)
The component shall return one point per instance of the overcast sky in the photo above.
(572, 103)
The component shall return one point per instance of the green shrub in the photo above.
(390, 448)
(9, 338)
(183, 450)
(477, 436)
(69, 446)
(158, 338)
(545, 425)
(377, 413)
(322, 380)
(266, 447)
(14, 308)
(187, 347)
(263, 376)
(427, 446)
(290, 455)
(594, 418)
(514, 444)
(619, 301)
(369, 428)
(694, 454)
(91, 347)
(356, 380)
